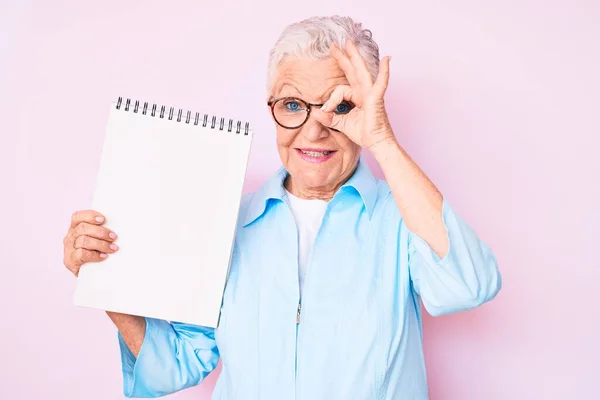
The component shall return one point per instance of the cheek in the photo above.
(347, 145)
(285, 137)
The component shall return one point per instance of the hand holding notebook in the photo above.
(169, 184)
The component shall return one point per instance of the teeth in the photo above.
(316, 153)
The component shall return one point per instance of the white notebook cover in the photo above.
(171, 190)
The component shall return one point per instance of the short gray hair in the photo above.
(312, 38)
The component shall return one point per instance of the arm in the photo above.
(450, 267)
(419, 201)
(132, 329)
(169, 357)
(158, 357)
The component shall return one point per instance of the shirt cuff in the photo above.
(130, 365)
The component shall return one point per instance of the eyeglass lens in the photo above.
(290, 112)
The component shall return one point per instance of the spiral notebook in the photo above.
(170, 184)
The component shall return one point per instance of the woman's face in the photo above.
(318, 159)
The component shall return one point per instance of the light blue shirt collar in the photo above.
(362, 182)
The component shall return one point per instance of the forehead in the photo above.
(311, 79)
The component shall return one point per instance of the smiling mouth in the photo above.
(315, 153)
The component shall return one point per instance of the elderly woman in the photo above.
(330, 264)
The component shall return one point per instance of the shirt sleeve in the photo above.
(465, 278)
(173, 356)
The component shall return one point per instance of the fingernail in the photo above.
(112, 235)
(114, 247)
(99, 219)
(324, 107)
(103, 255)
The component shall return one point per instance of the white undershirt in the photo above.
(308, 215)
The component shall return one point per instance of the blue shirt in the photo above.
(359, 332)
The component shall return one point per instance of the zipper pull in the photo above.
(298, 314)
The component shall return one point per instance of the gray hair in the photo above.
(312, 38)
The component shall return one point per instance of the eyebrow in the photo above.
(324, 96)
(290, 86)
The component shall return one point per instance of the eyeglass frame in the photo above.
(271, 104)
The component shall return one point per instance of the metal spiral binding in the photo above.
(188, 118)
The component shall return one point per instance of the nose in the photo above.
(313, 130)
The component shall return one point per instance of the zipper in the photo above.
(285, 201)
(298, 310)
(298, 316)
(306, 279)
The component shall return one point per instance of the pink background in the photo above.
(498, 101)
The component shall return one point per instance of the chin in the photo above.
(313, 178)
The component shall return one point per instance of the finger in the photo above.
(89, 216)
(339, 94)
(330, 119)
(96, 231)
(383, 77)
(361, 71)
(344, 63)
(82, 256)
(90, 243)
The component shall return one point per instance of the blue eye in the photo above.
(343, 108)
(293, 106)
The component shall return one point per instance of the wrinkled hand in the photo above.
(367, 123)
(87, 240)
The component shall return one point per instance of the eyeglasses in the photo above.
(292, 113)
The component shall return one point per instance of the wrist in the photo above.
(385, 148)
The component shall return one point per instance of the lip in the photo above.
(315, 160)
